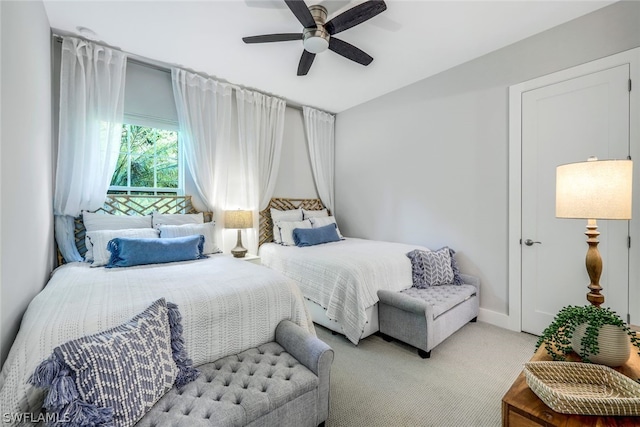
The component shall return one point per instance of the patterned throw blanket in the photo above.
(227, 306)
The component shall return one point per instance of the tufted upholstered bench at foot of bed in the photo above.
(424, 317)
(280, 383)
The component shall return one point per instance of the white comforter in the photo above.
(344, 277)
(227, 306)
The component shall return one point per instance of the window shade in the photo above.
(148, 99)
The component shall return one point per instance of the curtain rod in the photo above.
(166, 67)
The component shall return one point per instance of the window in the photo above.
(148, 163)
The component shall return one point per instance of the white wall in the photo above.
(26, 182)
(2, 343)
(295, 179)
(428, 164)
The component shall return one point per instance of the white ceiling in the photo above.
(410, 41)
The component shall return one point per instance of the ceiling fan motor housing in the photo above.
(316, 40)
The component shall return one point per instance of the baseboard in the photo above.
(493, 318)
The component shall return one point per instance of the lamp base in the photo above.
(594, 264)
(239, 251)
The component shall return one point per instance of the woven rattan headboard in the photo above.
(266, 224)
(121, 204)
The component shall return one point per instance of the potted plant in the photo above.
(597, 335)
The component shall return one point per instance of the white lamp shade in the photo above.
(596, 189)
(238, 219)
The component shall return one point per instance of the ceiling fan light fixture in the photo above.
(315, 40)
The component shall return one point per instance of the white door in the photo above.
(563, 123)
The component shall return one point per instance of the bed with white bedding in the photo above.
(227, 305)
(339, 279)
(344, 277)
(221, 300)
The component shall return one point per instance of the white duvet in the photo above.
(227, 306)
(344, 277)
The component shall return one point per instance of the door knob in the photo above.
(530, 242)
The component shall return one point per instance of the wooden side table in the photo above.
(522, 408)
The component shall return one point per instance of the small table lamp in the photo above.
(595, 189)
(238, 219)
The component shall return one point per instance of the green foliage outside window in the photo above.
(148, 160)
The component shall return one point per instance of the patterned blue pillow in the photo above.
(112, 378)
(434, 268)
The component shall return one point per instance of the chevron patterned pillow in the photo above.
(431, 268)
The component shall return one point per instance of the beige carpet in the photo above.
(387, 384)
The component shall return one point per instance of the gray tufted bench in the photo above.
(280, 383)
(424, 318)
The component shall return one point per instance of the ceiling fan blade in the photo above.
(301, 11)
(268, 38)
(349, 51)
(305, 62)
(354, 16)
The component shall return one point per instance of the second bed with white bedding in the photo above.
(344, 277)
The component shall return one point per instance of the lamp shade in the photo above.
(595, 189)
(238, 219)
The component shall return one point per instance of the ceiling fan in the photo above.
(317, 34)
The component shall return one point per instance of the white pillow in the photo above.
(322, 221)
(94, 221)
(286, 230)
(102, 221)
(177, 219)
(290, 215)
(98, 240)
(315, 213)
(207, 230)
(278, 215)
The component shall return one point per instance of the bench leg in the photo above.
(385, 337)
(424, 354)
(474, 320)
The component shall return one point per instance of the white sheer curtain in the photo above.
(204, 117)
(231, 169)
(91, 109)
(269, 117)
(319, 128)
(254, 173)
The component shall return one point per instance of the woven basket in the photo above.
(583, 388)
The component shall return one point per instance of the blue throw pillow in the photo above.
(113, 377)
(315, 236)
(126, 252)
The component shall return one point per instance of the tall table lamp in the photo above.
(595, 189)
(238, 219)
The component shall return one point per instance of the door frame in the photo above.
(631, 57)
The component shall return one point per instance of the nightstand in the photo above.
(255, 259)
(521, 407)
